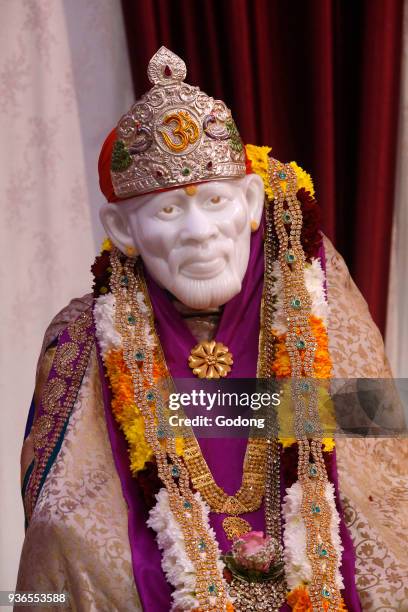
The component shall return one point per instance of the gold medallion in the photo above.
(210, 360)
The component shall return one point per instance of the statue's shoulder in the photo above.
(64, 317)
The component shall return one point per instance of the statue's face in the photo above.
(195, 241)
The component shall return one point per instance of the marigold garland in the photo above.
(106, 245)
(322, 363)
(323, 370)
(299, 599)
(127, 413)
(304, 180)
(259, 158)
(286, 418)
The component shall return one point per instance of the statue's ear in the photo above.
(255, 195)
(116, 227)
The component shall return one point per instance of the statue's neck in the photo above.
(201, 323)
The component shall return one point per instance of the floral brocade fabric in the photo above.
(77, 538)
(372, 473)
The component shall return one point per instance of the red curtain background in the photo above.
(318, 80)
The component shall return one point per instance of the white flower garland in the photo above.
(314, 281)
(104, 314)
(177, 566)
(297, 565)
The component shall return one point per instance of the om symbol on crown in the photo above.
(184, 131)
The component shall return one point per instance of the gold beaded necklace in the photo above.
(249, 496)
(301, 347)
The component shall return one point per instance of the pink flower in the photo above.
(254, 551)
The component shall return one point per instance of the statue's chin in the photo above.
(202, 294)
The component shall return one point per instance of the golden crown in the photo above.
(174, 135)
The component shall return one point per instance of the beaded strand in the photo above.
(301, 347)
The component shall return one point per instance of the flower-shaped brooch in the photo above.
(210, 360)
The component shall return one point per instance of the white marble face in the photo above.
(194, 241)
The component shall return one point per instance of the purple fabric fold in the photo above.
(239, 330)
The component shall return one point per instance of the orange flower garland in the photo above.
(323, 370)
(125, 411)
(322, 362)
(299, 599)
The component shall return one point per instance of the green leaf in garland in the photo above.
(121, 160)
(234, 137)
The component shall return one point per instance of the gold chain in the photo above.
(301, 347)
(249, 496)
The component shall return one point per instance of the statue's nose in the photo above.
(198, 226)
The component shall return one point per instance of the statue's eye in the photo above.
(169, 213)
(215, 199)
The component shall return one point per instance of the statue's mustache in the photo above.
(201, 253)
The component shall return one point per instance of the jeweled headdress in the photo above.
(174, 135)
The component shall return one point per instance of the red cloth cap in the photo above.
(104, 163)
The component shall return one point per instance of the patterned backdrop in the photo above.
(59, 60)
